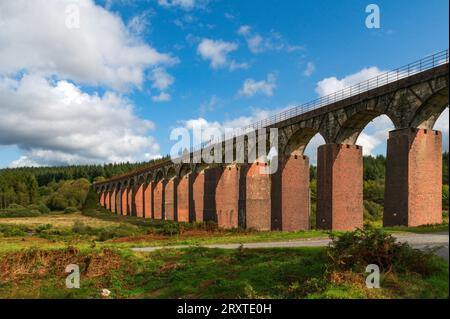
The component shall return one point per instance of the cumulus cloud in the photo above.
(217, 51)
(56, 123)
(162, 97)
(210, 105)
(161, 79)
(311, 148)
(265, 87)
(310, 68)
(141, 22)
(35, 36)
(271, 42)
(442, 125)
(333, 84)
(374, 136)
(256, 114)
(182, 4)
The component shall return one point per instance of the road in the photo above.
(419, 241)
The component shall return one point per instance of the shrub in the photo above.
(118, 232)
(70, 210)
(7, 230)
(7, 213)
(355, 250)
(92, 200)
(82, 229)
(42, 208)
(15, 206)
(372, 211)
(445, 197)
(57, 202)
(170, 229)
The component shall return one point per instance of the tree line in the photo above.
(56, 187)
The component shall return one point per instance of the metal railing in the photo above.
(405, 71)
(424, 64)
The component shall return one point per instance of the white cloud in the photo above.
(210, 105)
(252, 87)
(209, 128)
(244, 30)
(257, 114)
(162, 97)
(442, 125)
(161, 79)
(229, 16)
(270, 42)
(310, 68)
(332, 84)
(181, 4)
(216, 51)
(140, 23)
(311, 148)
(56, 123)
(102, 51)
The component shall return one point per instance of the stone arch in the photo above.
(298, 141)
(429, 111)
(141, 179)
(312, 144)
(184, 169)
(158, 175)
(350, 130)
(170, 172)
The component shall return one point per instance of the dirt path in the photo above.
(419, 241)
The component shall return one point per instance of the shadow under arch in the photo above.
(430, 110)
(297, 143)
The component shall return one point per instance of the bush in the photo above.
(82, 229)
(15, 206)
(92, 200)
(70, 210)
(7, 213)
(170, 228)
(118, 232)
(445, 197)
(355, 250)
(13, 230)
(42, 208)
(372, 211)
(57, 202)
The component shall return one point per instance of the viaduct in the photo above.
(238, 195)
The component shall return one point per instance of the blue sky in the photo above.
(217, 62)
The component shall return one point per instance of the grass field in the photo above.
(35, 250)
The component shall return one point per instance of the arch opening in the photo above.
(373, 139)
(442, 124)
(430, 110)
(353, 127)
